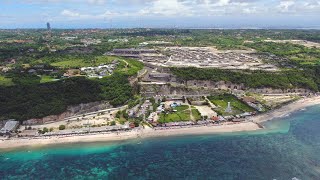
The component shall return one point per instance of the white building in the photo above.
(10, 127)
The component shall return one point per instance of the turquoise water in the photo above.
(289, 148)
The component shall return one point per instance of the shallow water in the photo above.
(288, 148)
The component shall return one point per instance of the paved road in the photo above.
(91, 114)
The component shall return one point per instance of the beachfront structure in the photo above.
(10, 127)
(140, 110)
(253, 103)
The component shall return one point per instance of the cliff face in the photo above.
(71, 111)
(198, 87)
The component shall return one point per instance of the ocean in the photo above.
(288, 149)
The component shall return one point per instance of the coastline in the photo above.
(286, 109)
(121, 136)
(253, 125)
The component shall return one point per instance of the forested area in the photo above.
(24, 52)
(27, 101)
(299, 54)
(22, 102)
(253, 79)
(116, 89)
(30, 99)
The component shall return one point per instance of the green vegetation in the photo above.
(221, 101)
(253, 79)
(182, 114)
(45, 130)
(134, 101)
(112, 123)
(122, 116)
(38, 100)
(62, 127)
(196, 114)
(299, 54)
(27, 101)
(45, 79)
(115, 89)
(76, 61)
(4, 81)
(130, 67)
(30, 99)
(25, 79)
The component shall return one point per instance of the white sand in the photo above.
(19, 142)
(287, 109)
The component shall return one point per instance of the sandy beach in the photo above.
(144, 133)
(149, 132)
(287, 109)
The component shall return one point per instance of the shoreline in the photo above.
(286, 109)
(253, 125)
(121, 136)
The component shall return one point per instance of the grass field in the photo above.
(45, 79)
(221, 101)
(5, 81)
(196, 114)
(129, 67)
(182, 114)
(77, 62)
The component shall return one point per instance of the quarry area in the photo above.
(201, 57)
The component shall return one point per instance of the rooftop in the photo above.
(10, 126)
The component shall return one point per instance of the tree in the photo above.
(62, 127)
(136, 123)
(45, 130)
(118, 115)
(113, 123)
(125, 114)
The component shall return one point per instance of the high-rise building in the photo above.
(48, 26)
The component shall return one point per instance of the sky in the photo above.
(160, 13)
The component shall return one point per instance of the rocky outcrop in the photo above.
(197, 87)
(71, 111)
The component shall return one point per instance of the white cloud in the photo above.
(252, 10)
(186, 8)
(73, 15)
(285, 6)
(69, 13)
(101, 9)
(167, 8)
(298, 7)
(97, 2)
(222, 3)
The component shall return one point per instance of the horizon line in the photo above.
(173, 28)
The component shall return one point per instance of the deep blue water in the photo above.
(289, 148)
